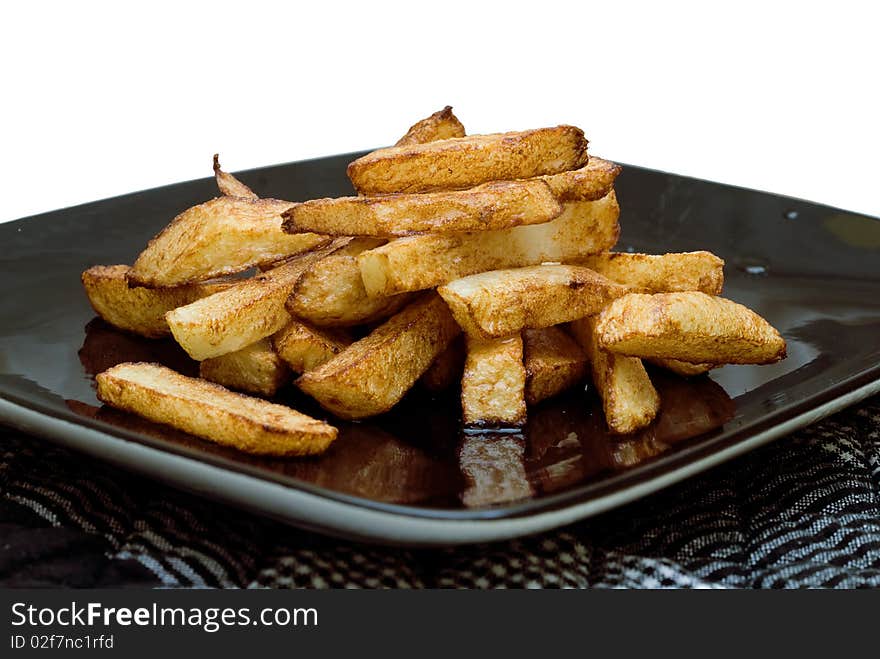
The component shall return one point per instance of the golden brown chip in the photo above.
(372, 375)
(629, 400)
(255, 369)
(138, 310)
(661, 273)
(691, 326)
(464, 162)
(439, 126)
(499, 303)
(418, 262)
(221, 236)
(211, 412)
(304, 347)
(446, 370)
(685, 369)
(592, 181)
(553, 362)
(494, 205)
(494, 381)
(229, 185)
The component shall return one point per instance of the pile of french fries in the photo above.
(481, 260)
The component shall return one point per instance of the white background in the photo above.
(101, 99)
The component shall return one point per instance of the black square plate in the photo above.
(411, 477)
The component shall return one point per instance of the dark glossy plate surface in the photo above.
(813, 271)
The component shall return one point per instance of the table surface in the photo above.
(801, 512)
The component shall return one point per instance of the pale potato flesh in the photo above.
(255, 369)
(212, 412)
(494, 382)
(689, 326)
(426, 261)
(499, 303)
(629, 400)
(464, 162)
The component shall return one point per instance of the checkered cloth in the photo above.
(802, 512)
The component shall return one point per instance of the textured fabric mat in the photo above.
(802, 512)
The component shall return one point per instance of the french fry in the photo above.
(229, 185)
(242, 314)
(138, 310)
(221, 236)
(331, 292)
(661, 273)
(373, 374)
(629, 400)
(464, 162)
(303, 347)
(553, 362)
(419, 262)
(499, 303)
(446, 370)
(494, 382)
(494, 205)
(211, 412)
(589, 183)
(439, 126)
(690, 326)
(685, 369)
(255, 369)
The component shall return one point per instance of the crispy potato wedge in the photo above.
(494, 205)
(553, 362)
(373, 374)
(221, 236)
(494, 382)
(629, 400)
(463, 162)
(685, 369)
(139, 310)
(242, 314)
(211, 412)
(589, 183)
(331, 292)
(661, 273)
(446, 370)
(229, 185)
(418, 262)
(304, 347)
(499, 303)
(441, 125)
(689, 326)
(255, 369)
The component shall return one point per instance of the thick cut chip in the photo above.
(211, 412)
(439, 126)
(229, 185)
(221, 236)
(138, 310)
(304, 347)
(495, 205)
(685, 369)
(463, 162)
(331, 292)
(256, 369)
(629, 400)
(418, 262)
(502, 302)
(553, 362)
(494, 382)
(372, 375)
(242, 314)
(661, 273)
(692, 327)
(592, 181)
(446, 370)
